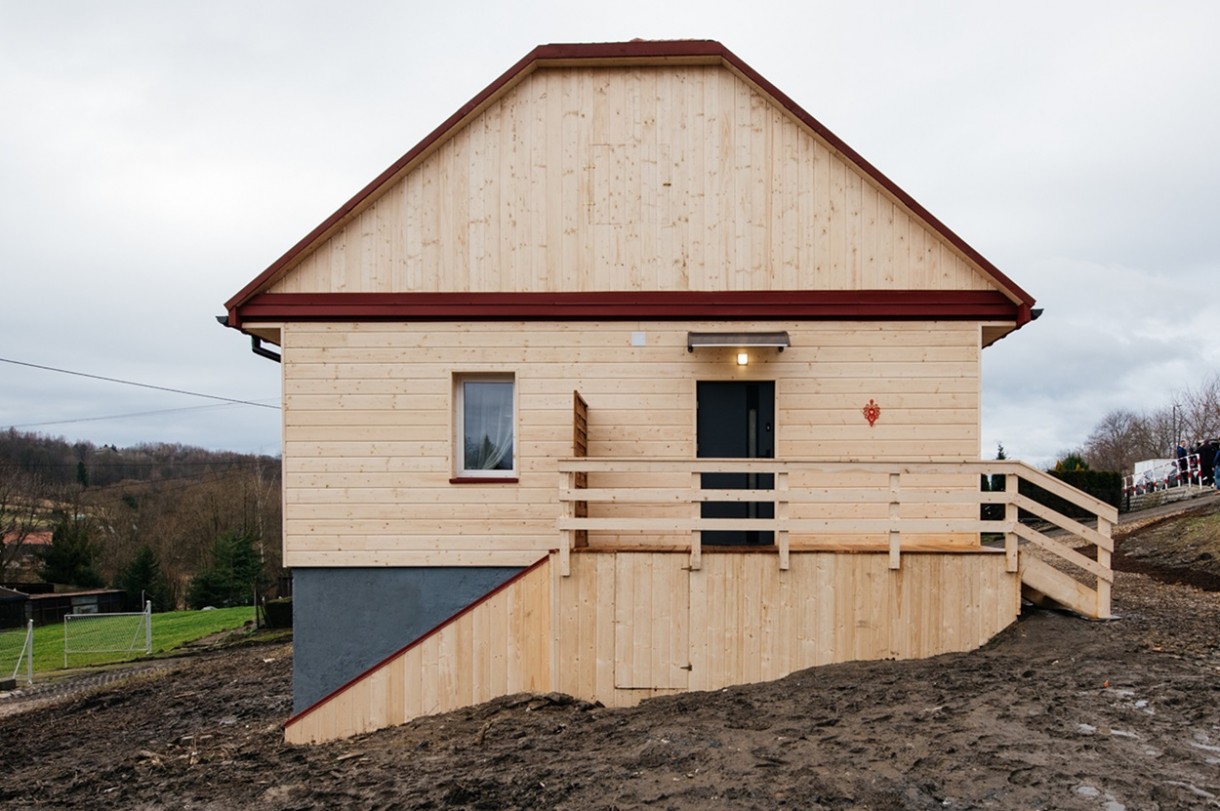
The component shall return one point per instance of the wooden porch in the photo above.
(895, 508)
(869, 560)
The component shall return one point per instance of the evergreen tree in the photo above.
(71, 556)
(998, 481)
(235, 573)
(994, 483)
(143, 576)
(1070, 462)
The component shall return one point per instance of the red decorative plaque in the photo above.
(871, 412)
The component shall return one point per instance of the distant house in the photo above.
(48, 608)
(25, 564)
(41, 603)
(632, 378)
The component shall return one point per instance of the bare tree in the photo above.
(1160, 434)
(119, 524)
(22, 497)
(1123, 438)
(1198, 410)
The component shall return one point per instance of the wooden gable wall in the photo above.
(633, 178)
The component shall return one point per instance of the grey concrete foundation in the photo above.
(345, 620)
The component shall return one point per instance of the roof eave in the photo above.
(635, 51)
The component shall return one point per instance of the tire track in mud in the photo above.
(34, 696)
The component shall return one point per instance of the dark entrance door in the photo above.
(736, 420)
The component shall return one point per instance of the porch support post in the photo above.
(1103, 558)
(567, 508)
(895, 535)
(696, 514)
(781, 513)
(1010, 521)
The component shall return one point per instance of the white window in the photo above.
(485, 406)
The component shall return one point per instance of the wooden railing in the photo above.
(1072, 565)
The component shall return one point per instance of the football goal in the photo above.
(17, 646)
(98, 634)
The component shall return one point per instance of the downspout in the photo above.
(256, 343)
(256, 346)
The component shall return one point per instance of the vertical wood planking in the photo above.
(738, 620)
(457, 665)
(753, 198)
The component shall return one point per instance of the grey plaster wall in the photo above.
(345, 620)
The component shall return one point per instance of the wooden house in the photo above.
(632, 378)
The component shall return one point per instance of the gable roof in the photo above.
(1011, 302)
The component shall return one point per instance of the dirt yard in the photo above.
(1056, 713)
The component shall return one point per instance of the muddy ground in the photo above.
(1056, 713)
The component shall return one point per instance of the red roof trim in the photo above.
(418, 640)
(661, 50)
(984, 305)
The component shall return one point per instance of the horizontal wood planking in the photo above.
(397, 555)
(379, 359)
(558, 333)
(826, 504)
(368, 438)
(706, 185)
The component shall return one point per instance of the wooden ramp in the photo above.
(1068, 566)
(498, 645)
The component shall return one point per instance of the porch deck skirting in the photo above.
(629, 625)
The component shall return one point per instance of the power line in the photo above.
(123, 416)
(256, 460)
(133, 383)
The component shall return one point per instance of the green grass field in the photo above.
(170, 631)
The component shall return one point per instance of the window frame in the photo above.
(462, 474)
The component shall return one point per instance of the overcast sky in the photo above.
(156, 156)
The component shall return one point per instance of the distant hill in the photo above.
(174, 500)
(58, 461)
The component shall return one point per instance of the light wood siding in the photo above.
(739, 619)
(748, 621)
(647, 178)
(368, 421)
(651, 621)
(502, 645)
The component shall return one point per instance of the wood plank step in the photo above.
(1045, 580)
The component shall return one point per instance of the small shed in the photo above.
(632, 378)
(53, 607)
(12, 608)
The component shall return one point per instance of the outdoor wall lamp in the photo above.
(743, 358)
